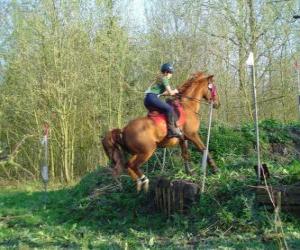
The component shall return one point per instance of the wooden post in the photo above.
(277, 210)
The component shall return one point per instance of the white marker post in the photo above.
(205, 153)
(44, 167)
(297, 67)
(250, 64)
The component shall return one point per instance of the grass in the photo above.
(100, 213)
(68, 219)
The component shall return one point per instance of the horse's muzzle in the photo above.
(216, 105)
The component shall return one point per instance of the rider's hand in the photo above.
(170, 91)
(174, 92)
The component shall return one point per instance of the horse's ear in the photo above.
(210, 77)
(115, 133)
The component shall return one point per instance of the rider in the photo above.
(159, 88)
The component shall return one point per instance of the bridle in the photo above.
(213, 93)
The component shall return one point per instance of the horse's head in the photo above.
(199, 86)
(210, 91)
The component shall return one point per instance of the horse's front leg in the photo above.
(185, 156)
(196, 140)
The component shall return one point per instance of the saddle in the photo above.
(161, 119)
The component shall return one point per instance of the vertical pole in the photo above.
(250, 63)
(44, 168)
(205, 153)
(164, 161)
(298, 77)
(296, 63)
(46, 163)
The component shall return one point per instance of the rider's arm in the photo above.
(170, 91)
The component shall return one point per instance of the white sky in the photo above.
(135, 14)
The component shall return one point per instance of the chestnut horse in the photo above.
(141, 137)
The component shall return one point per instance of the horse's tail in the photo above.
(113, 146)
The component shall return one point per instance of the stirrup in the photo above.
(172, 133)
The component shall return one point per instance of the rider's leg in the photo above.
(153, 102)
(173, 131)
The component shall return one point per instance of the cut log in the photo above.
(175, 196)
(290, 197)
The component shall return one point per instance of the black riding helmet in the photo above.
(167, 68)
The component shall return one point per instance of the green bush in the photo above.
(274, 131)
(228, 141)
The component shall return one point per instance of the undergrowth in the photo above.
(105, 213)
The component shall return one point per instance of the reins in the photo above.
(188, 97)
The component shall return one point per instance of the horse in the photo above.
(142, 136)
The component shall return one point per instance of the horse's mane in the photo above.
(196, 77)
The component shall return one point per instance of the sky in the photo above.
(135, 12)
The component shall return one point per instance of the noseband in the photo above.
(213, 91)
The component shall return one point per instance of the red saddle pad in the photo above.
(161, 119)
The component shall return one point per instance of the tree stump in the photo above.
(175, 196)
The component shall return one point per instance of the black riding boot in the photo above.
(173, 131)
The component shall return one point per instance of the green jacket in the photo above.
(159, 86)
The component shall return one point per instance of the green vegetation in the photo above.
(82, 67)
(100, 212)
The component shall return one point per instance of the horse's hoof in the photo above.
(139, 185)
(115, 173)
(215, 170)
(191, 173)
(142, 182)
(146, 185)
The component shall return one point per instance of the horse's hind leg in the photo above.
(130, 171)
(185, 156)
(133, 166)
(195, 138)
